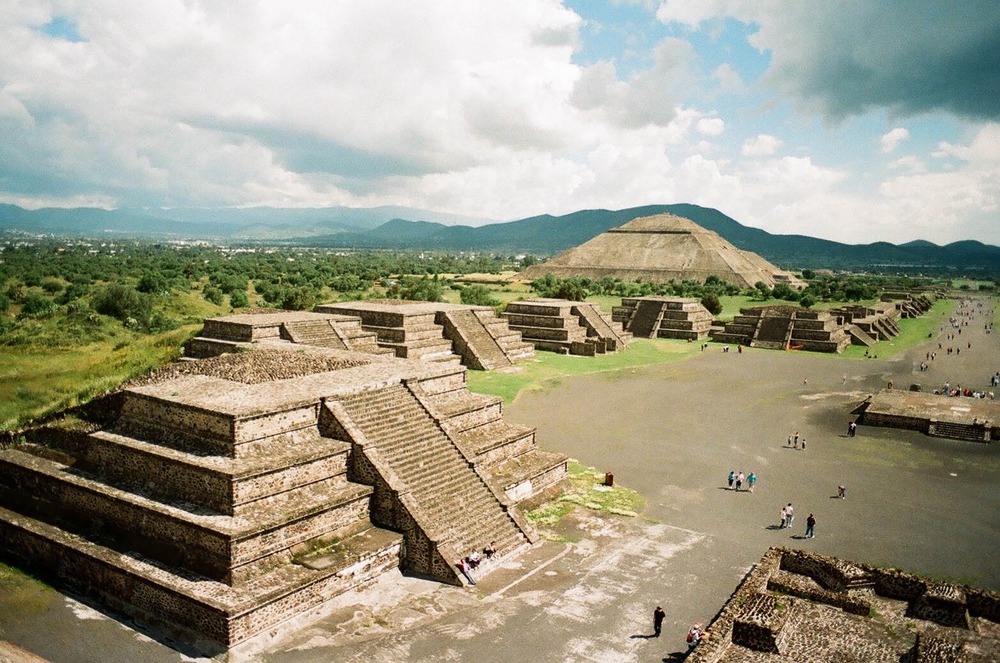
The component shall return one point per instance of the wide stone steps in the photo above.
(315, 332)
(957, 431)
(433, 470)
(480, 346)
(646, 319)
(616, 337)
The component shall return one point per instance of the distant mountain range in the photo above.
(389, 228)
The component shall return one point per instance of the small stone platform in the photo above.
(956, 417)
(785, 328)
(663, 317)
(566, 327)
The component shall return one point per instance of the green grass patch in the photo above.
(587, 490)
(550, 367)
(37, 380)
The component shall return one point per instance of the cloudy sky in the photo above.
(844, 119)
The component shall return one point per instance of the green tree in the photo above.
(213, 295)
(239, 299)
(807, 301)
(711, 302)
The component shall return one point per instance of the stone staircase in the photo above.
(429, 489)
(314, 332)
(473, 341)
(772, 333)
(646, 319)
(859, 336)
(614, 337)
(957, 431)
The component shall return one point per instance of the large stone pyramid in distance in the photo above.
(662, 248)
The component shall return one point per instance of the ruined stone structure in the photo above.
(435, 331)
(784, 328)
(663, 317)
(797, 606)
(662, 248)
(566, 327)
(955, 417)
(870, 324)
(910, 305)
(235, 333)
(227, 495)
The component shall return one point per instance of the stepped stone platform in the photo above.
(566, 327)
(785, 328)
(217, 498)
(663, 317)
(956, 417)
(878, 322)
(234, 333)
(436, 331)
(909, 304)
(796, 606)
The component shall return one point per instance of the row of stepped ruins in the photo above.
(799, 606)
(663, 317)
(659, 249)
(426, 331)
(785, 328)
(566, 327)
(214, 499)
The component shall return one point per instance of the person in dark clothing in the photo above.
(658, 616)
(810, 526)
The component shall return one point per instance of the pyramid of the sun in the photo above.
(662, 248)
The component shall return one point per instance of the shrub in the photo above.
(52, 286)
(152, 283)
(72, 293)
(36, 305)
(807, 301)
(123, 302)
(213, 295)
(4, 303)
(299, 299)
(478, 295)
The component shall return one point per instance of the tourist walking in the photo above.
(739, 481)
(841, 492)
(751, 480)
(732, 478)
(789, 514)
(464, 568)
(784, 517)
(810, 526)
(658, 616)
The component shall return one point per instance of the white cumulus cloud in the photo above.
(891, 140)
(761, 145)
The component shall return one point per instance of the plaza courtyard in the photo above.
(672, 432)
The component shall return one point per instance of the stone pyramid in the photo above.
(660, 248)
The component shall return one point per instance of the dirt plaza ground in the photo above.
(672, 432)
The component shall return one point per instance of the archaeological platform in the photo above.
(216, 498)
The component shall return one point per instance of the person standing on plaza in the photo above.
(810, 526)
(658, 616)
(784, 517)
(739, 481)
(732, 478)
(751, 480)
(790, 515)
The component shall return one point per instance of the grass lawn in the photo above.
(550, 367)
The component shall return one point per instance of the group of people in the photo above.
(738, 478)
(694, 633)
(787, 516)
(795, 440)
(471, 562)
